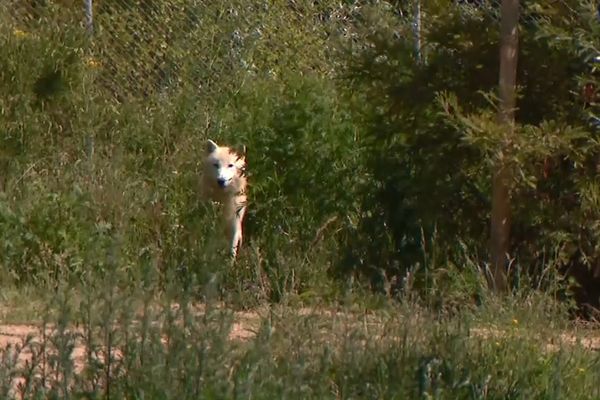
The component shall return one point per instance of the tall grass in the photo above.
(128, 343)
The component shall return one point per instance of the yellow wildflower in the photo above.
(19, 33)
(91, 62)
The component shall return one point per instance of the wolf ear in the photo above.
(210, 146)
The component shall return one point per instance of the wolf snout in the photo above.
(222, 182)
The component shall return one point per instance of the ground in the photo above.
(246, 324)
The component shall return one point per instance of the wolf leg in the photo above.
(237, 234)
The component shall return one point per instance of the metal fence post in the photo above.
(417, 31)
(89, 16)
(89, 24)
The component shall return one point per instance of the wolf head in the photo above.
(224, 165)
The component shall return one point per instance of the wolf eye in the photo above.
(230, 165)
(216, 165)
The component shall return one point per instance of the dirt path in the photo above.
(244, 327)
(246, 324)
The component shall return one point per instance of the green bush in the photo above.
(304, 162)
(132, 152)
(432, 139)
(362, 159)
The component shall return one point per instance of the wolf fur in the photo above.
(224, 181)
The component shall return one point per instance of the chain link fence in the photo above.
(137, 48)
(142, 47)
(134, 47)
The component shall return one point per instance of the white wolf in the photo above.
(224, 181)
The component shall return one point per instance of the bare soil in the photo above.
(245, 327)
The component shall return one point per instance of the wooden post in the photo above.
(502, 176)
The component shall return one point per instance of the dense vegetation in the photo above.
(370, 166)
